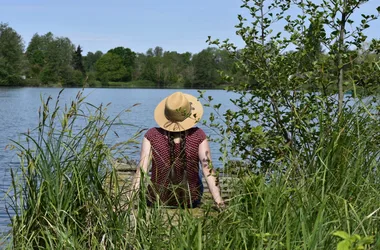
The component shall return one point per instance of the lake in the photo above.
(19, 113)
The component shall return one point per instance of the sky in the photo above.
(175, 25)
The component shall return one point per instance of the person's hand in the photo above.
(221, 206)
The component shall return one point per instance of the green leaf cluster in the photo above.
(53, 60)
(11, 56)
(352, 242)
(286, 93)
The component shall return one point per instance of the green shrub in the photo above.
(32, 82)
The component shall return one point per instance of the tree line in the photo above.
(51, 60)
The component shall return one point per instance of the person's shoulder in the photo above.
(153, 132)
(198, 132)
(197, 129)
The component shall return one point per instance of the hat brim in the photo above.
(194, 118)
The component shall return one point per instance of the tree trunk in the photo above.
(340, 60)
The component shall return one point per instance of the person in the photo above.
(175, 150)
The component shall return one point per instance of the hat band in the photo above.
(176, 126)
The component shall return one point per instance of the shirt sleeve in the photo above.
(149, 134)
(201, 135)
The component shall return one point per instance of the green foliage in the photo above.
(11, 56)
(149, 71)
(309, 170)
(48, 76)
(170, 68)
(327, 61)
(205, 66)
(32, 82)
(90, 60)
(158, 51)
(133, 84)
(63, 199)
(78, 60)
(36, 51)
(354, 242)
(73, 78)
(282, 101)
(128, 58)
(54, 61)
(126, 54)
(364, 69)
(339, 42)
(159, 67)
(60, 197)
(110, 67)
(91, 81)
(50, 58)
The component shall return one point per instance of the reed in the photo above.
(67, 194)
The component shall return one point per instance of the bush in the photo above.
(48, 76)
(133, 84)
(72, 78)
(32, 82)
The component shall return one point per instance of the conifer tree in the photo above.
(78, 60)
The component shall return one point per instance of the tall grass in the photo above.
(67, 195)
(60, 197)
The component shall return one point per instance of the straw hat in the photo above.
(178, 112)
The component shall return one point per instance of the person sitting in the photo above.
(176, 150)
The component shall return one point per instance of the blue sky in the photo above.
(175, 25)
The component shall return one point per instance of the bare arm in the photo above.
(209, 173)
(143, 164)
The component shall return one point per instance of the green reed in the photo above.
(60, 197)
(67, 194)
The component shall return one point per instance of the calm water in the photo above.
(19, 112)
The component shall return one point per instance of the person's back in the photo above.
(175, 174)
(176, 149)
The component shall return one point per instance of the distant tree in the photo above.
(36, 53)
(128, 58)
(158, 69)
(139, 66)
(186, 70)
(185, 58)
(110, 67)
(158, 51)
(11, 55)
(149, 71)
(126, 54)
(225, 62)
(78, 60)
(50, 58)
(149, 52)
(188, 76)
(37, 48)
(205, 67)
(153, 68)
(364, 67)
(90, 60)
(174, 64)
(59, 56)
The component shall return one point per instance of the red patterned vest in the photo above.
(184, 187)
